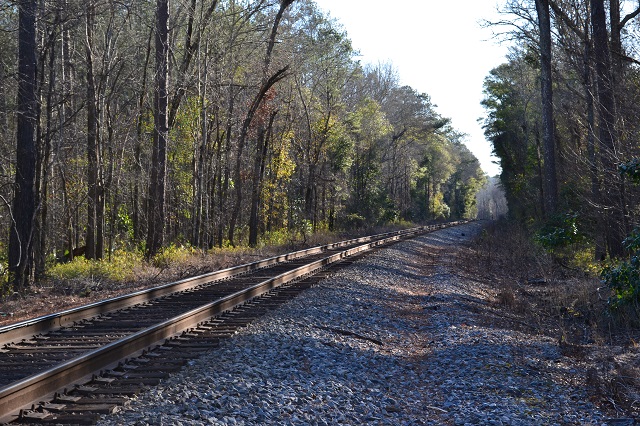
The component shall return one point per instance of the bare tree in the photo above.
(548, 140)
(612, 194)
(95, 205)
(155, 234)
(24, 207)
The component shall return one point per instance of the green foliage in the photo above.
(560, 232)
(512, 126)
(173, 254)
(631, 169)
(354, 221)
(119, 269)
(278, 237)
(623, 277)
(340, 147)
(124, 222)
(439, 209)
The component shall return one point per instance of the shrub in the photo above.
(173, 254)
(561, 231)
(623, 277)
(119, 268)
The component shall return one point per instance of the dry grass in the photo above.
(566, 304)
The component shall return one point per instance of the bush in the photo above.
(118, 269)
(173, 254)
(561, 231)
(623, 277)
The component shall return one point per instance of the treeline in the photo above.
(209, 123)
(563, 119)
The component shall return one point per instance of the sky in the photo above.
(438, 48)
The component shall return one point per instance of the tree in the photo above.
(24, 208)
(550, 180)
(268, 125)
(609, 151)
(95, 203)
(156, 214)
(268, 81)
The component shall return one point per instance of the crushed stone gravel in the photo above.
(418, 352)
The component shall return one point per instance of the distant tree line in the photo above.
(562, 115)
(209, 123)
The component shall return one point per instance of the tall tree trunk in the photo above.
(137, 154)
(24, 207)
(616, 43)
(191, 46)
(155, 234)
(612, 194)
(44, 169)
(200, 155)
(262, 148)
(548, 140)
(4, 122)
(93, 156)
(587, 81)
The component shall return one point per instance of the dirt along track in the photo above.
(81, 348)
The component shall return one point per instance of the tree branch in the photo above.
(629, 17)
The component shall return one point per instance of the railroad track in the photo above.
(71, 367)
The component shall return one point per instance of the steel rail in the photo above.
(28, 328)
(31, 390)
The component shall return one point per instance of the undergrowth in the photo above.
(560, 293)
(120, 268)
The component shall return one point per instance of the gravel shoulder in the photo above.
(398, 338)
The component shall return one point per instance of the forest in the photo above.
(135, 125)
(562, 116)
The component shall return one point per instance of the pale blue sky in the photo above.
(438, 47)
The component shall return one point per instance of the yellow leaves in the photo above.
(280, 169)
(369, 123)
(119, 269)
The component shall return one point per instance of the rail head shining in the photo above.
(33, 389)
(28, 328)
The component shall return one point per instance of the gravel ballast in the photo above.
(397, 338)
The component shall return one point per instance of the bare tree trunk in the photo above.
(44, 169)
(587, 81)
(156, 216)
(137, 155)
(4, 122)
(253, 108)
(548, 139)
(616, 43)
(612, 195)
(24, 208)
(191, 46)
(93, 153)
(199, 157)
(262, 148)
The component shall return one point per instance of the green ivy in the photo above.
(623, 277)
(560, 231)
(631, 169)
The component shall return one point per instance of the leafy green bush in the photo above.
(623, 277)
(354, 221)
(119, 268)
(560, 231)
(173, 254)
